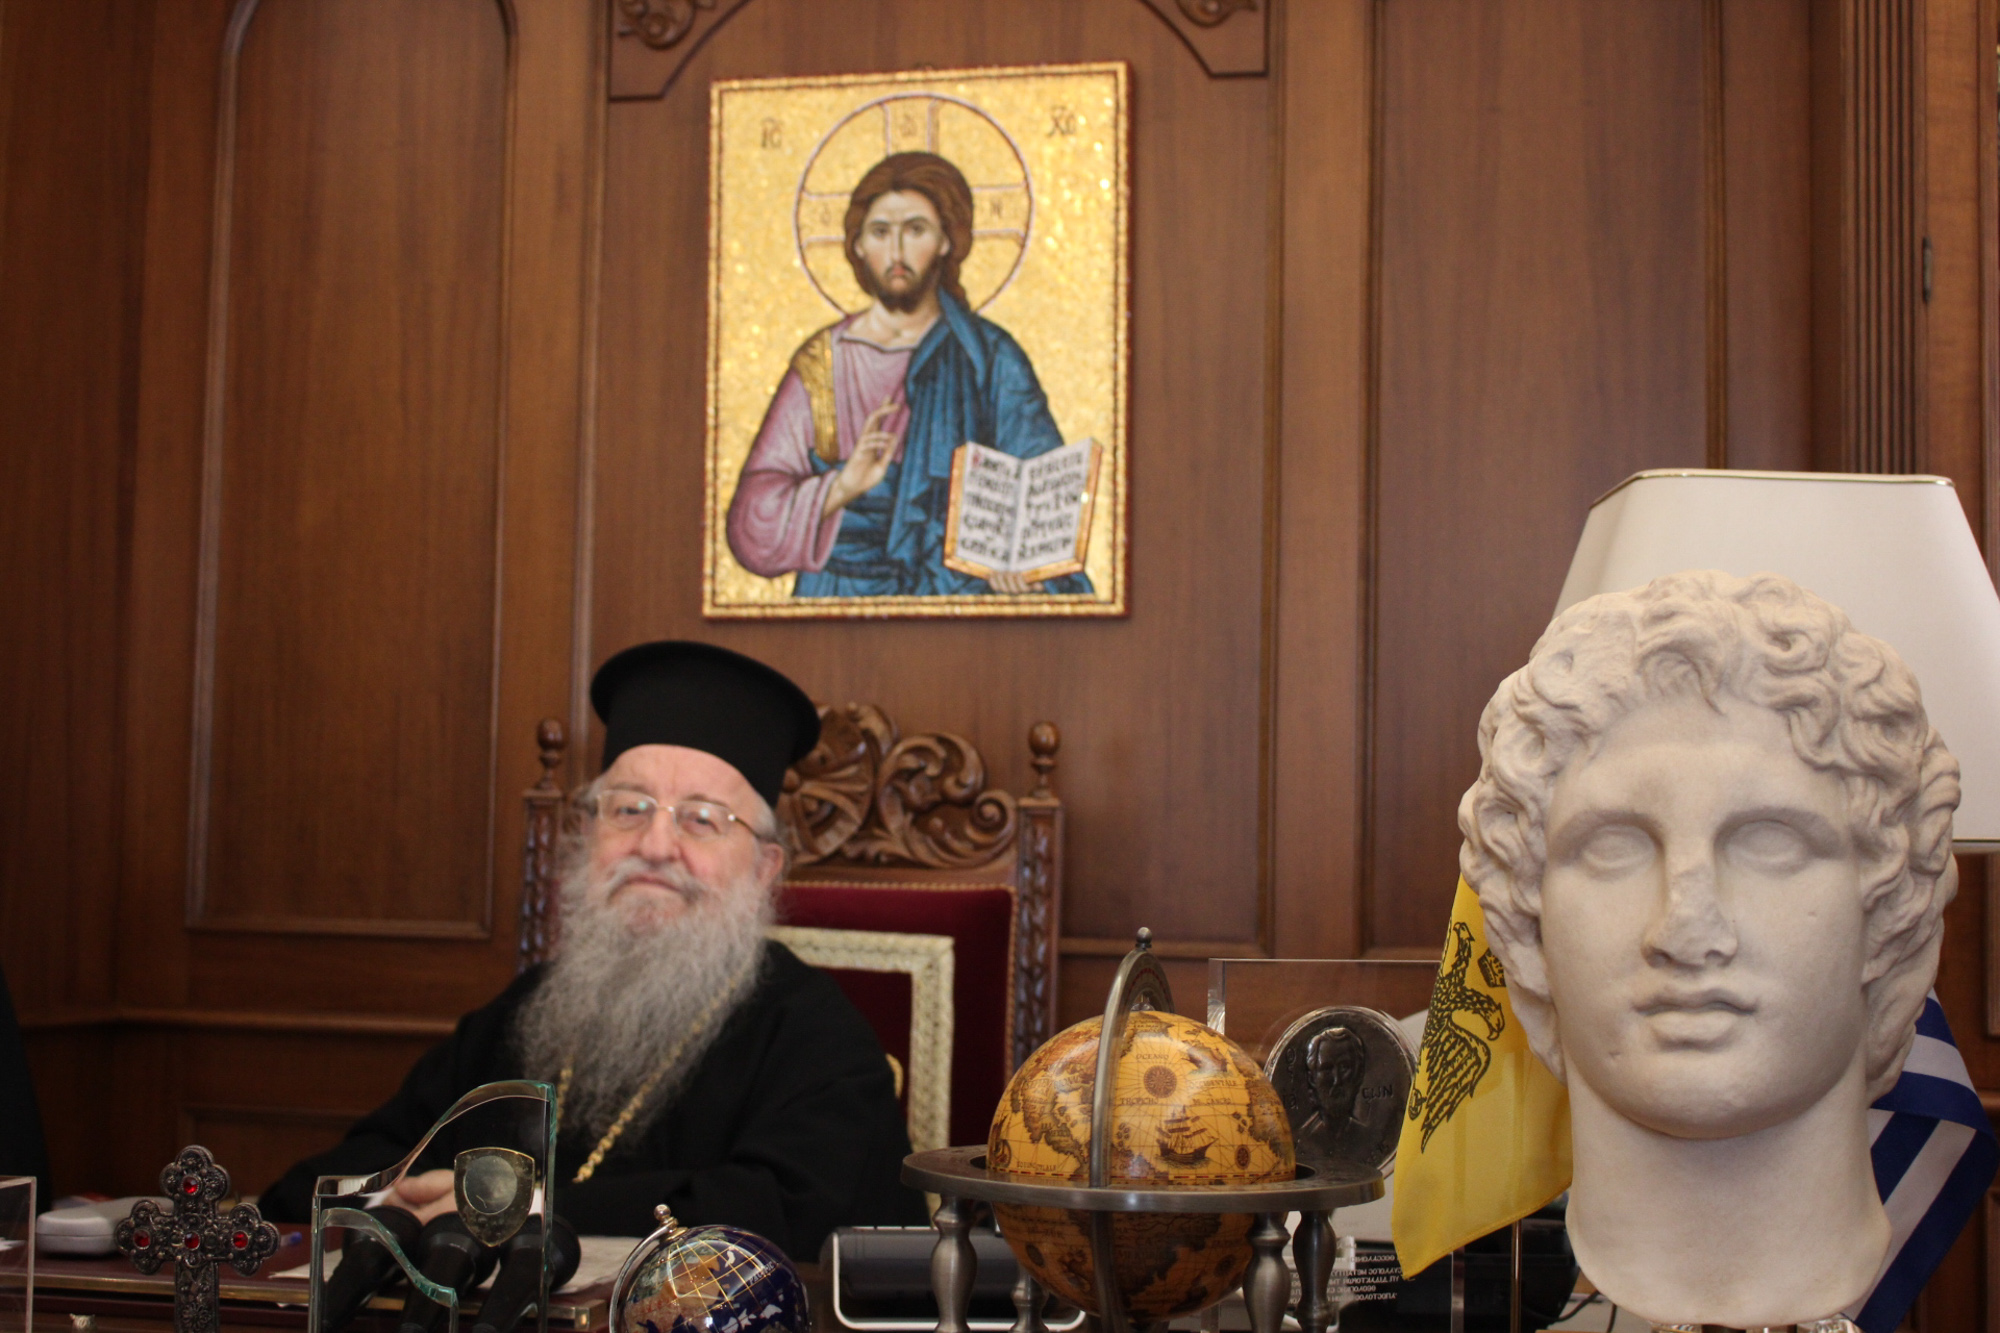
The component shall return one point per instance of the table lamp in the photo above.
(1894, 552)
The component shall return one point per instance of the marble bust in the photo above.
(1711, 837)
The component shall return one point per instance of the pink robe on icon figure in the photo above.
(775, 520)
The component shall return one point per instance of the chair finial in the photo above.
(1044, 739)
(549, 736)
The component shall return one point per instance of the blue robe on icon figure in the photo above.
(849, 479)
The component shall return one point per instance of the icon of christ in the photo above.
(848, 481)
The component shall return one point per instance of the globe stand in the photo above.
(959, 1175)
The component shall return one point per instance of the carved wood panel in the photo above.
(1228, 37)
(653, 40)
(866, 794)
(344, 699)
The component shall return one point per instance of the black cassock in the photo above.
(788, 1127)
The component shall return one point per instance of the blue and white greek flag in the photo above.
(1935, 1155)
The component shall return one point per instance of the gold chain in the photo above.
(590, 1164)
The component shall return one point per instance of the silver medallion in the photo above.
(1343, 1073)
(494, 1189)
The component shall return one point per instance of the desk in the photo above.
(123, 1300)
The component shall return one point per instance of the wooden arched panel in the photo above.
(352, 470)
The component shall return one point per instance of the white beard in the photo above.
(625, 1000)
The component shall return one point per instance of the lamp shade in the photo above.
(1895, 553)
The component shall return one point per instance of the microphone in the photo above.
(366, 1266)
(519, 1285)
(448, 1255)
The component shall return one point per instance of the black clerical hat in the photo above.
(706, 698)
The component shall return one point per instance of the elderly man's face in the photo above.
(653, 875)
(1702, 922)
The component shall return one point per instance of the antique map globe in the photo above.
(1188, 1108)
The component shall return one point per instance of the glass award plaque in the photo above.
(492, 1154)
(17, 1253)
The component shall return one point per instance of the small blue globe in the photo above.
(714, 1279)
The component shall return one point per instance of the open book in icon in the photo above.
(1027, 516)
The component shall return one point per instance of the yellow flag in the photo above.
(1486, 1139)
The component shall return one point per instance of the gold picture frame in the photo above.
(900, 264)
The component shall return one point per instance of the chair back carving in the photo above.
(871, 807)
(865, 795)
(545, 800)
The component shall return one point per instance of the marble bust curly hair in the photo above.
(1849, 704)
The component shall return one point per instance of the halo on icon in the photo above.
(1003, 193)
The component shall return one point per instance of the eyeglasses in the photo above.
(698, 821)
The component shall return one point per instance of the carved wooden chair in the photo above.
(933, 900)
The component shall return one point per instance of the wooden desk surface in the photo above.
(124, 1300)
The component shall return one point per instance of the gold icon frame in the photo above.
(1046, 150)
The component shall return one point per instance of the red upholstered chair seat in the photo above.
(980, 921)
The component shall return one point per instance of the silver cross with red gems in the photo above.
(195, 1238)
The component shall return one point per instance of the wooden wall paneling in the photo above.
(508, 459)
(352, 1072)
(1542, 334)
(158, 685)
(69, 1066)
(73, 102)
(1952, 410)
(146, 1066)
(262, 1100)
(1324, 63)
(257, 1144)
(1085, 981)
(352, 468)
(555, 277)
(73, 154)
(1715, 231)
(1957, 119)
(1767, 148)
(1161, 782)
(1869, 161)
(533, 215)
(259, 1097)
